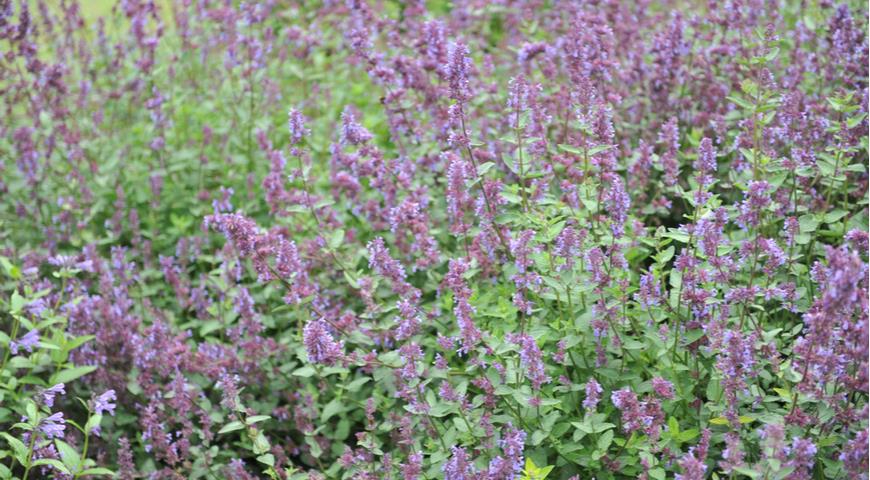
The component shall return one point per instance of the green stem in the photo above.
(29, 455)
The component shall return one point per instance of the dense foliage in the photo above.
(490, 240)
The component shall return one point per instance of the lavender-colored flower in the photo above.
(383, 264)
(802, 452)
(859, 239)
(569, 244)
(692, 463)
(755, 200)
(670, 137)
(457, 70)
(663, 388)
(238, 229)
(855, 455)
(413, 468)
(53, 426)
(525, 279)
(634, 413)
(693, 469)
(223, 202)
(776, 257)
(49, 393)
(320, 345)
(103, 403)
(706, 161)
(593, 394)
(459, 201)
(296, 126)
(650, 291)
(531, 358)
(732, 455)
(835, 330)
(27, 342)
(462, 308)
(229, 387)
(409, 319)
(352, 133)
(618, 203)
(508, 465)
(460, 466)
(736, 361)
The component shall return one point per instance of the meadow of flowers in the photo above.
(469, 240)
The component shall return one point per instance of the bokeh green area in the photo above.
(92, 9)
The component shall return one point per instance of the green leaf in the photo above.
(657, 473)
(853, 122)
(304, 372)
(357, 384)
(17, 446)
(665, 255)
(724, 421)
(97, 471)
(747, 471)
(330, 409)
(570, 149)
(605, 440)
(261, 444)
(12, 270)
(835, 215)
(533, 472)
(256, 419)
(231, 427)
(740, 102)
(70, 374)
(77, 342)
(598, 149)
(808, 223)
(483, 168)
(336, 239)
(772, 54)
(93, 422)
(673, 427)
(57, 464)
(688, 435)
(267, 459)
(677, 235)
(68, 455)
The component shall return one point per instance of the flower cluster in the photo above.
(469, 240)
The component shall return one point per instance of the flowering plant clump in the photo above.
(466, 240)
